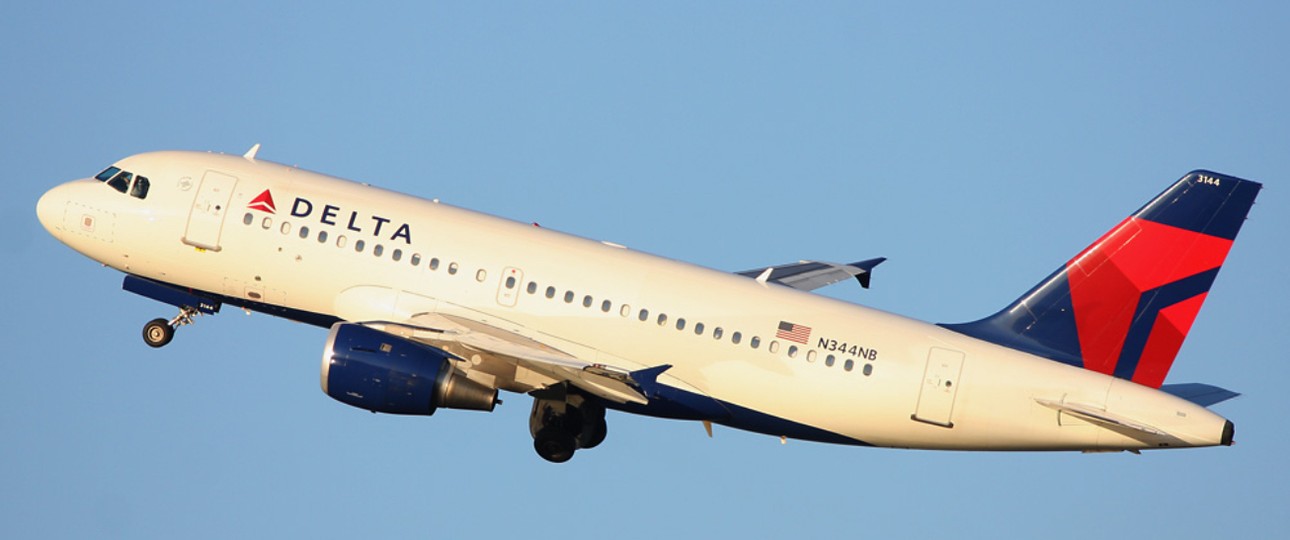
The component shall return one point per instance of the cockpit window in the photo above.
(140, 188)
(107, 173)
(121, 182)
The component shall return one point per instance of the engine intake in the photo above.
(373, 370)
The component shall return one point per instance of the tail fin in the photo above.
(1124, 304)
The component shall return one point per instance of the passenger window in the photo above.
(268, 222)
(568, 297)
(140, 189)
(550, 292)
(735, 337)
(510, 282)
(452, 268)
(754, 342)
(717, 332)
(532, 287)
(340, 241)
(698, 329)
(416, 259)
(322, 237)
(662, 319)
(377, 250)
(434, 263)
(121, 182)
(358, 245)
(304, 232)
(680, 323)
(810, 355)
(396, 254)
(868, 370)
(792, 351)
(625, 311)
(107, 173)
(481, 275)
(286, 227)
(247, 219)
(644, 316)
(849, 364)
(604, 306)
(586, 301)
(828, 360)
(774, 346)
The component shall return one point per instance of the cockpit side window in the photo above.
(121, 182)
(140, 188)
(107, 173)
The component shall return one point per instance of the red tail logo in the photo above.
(264, 203)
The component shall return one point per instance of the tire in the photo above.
(555, 445)
(593, 433)
(157, 333)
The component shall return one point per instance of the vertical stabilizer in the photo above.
(1123, 305)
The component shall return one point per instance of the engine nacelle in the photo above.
(380, 372)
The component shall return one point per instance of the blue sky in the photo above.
(977, 146)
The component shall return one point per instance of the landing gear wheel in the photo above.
(158, 332)
(593, 433)
(555, 444)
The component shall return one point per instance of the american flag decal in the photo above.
(793, 332)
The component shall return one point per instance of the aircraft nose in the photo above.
(50, 208)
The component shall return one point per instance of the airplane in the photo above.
(429, 306)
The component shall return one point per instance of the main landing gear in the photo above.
(562, 422)
(158, 332)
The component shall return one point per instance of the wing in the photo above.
(811, 275)
(445, 332)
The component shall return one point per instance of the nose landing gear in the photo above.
(158, 332)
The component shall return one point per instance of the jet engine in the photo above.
(373, 370)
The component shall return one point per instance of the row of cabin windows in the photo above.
(606, 306)
(359, 245)
(625, 310)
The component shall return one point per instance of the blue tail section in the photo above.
(1123, 305)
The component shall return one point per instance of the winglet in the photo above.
(765, 275)
(250, 154)
(867, 265)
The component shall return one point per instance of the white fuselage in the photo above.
(892, 382)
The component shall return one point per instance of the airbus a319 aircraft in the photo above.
(432, 306)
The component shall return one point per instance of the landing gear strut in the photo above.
(562, 422)
(158, 332)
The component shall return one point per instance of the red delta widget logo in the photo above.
(264, 203)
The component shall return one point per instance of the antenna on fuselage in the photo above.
(250, 154)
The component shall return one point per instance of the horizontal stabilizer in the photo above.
(1105, 419)
(1200, 394)
(811, 275)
